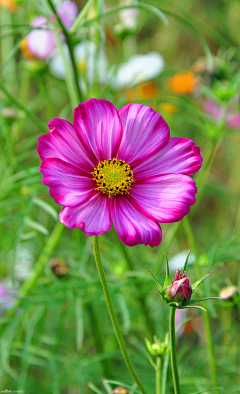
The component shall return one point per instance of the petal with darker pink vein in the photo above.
(93, 217)
(132, 226)
(99, 127)
(145, 132)
(180, 155)
(67, 184)
(166, 198)
(62, 143)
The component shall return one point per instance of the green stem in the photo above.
(173, 350)
(158, 375)
(70, 48)
(113, 315)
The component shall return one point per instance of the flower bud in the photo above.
(120, 390)
(158, 348)
(180, 289)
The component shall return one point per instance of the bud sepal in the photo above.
(178, 293)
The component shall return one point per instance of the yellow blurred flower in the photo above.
(10, 4)
(169, 108)
(146, 90)
(183, 83)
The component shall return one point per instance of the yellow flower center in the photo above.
(113, 177)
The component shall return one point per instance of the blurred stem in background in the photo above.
(7, 44)
(113, 316)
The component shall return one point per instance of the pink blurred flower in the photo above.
(180, 316)
(41, 41)
(217, 112)
(121, 167)
(7, 298)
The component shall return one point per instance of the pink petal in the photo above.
(99, 127)
(145, 132)
(180, 155)
(132, 226)
(93, 216)
(63, 143)
(67, 185)
(165, 198)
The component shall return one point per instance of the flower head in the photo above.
(118, 167)
(180, 289)
(41, 42)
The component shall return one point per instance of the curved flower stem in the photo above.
(113, 315)
(173, 351)
(158, 374)
(70, 48)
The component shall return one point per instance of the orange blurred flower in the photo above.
(183, 83)
(27, 54)
(10, 4)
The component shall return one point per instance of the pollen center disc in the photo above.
(113, 177)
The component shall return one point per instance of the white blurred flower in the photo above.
(89, 60)
(24, 262)
(139, 68)
(128, 17)
(178, 261)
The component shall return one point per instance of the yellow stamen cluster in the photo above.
(113, 177)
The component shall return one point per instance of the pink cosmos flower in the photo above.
(41, 41)
(118, 167)
(216, 111)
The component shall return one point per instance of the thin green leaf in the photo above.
(143, 6)
(159, 287)
(38, 122)
(46, 207)
(36, 226)
(196, 32)
(194, 286)
(167, 281)
(186, 262)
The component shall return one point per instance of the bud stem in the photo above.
(173, 351)
(113, 316)
(158, 374)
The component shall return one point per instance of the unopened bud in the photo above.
(180, 289)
